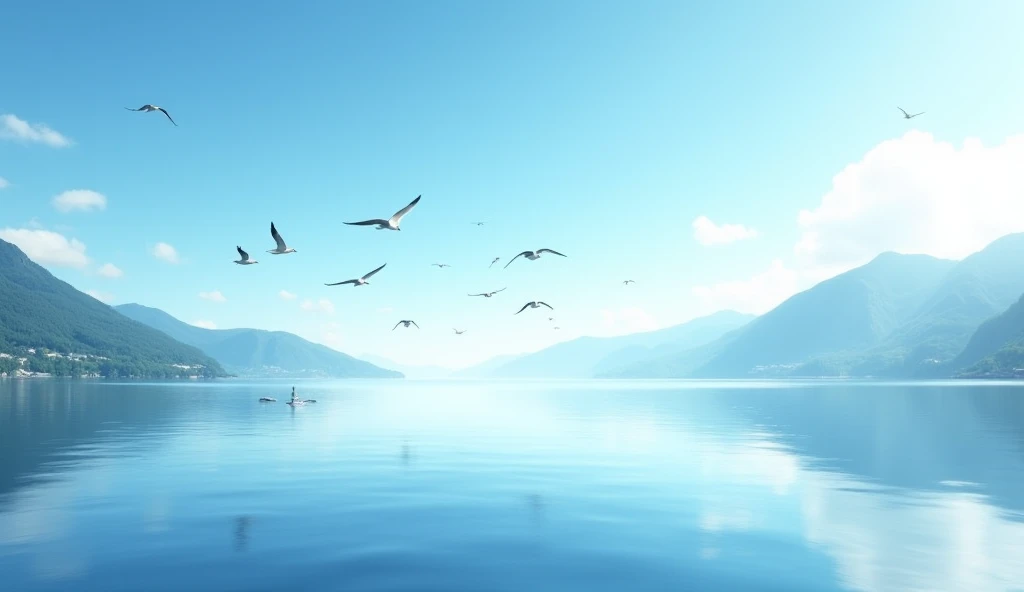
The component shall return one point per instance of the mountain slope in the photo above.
(848, 313)
(255, 352)
(586, 357)
(997, 346)
(39, 311)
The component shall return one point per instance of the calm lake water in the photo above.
(474, 486)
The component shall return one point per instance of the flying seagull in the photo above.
(909, 116)
(360, 281)
(488, 294)
(148, 108)
(457, 332)
(496, 259)
(478, 223)
(533, 255)
(391, 223)
(282, 249)
(245, 260)
(551, 318)
(441, 265)
(627, 282)
(534, 304)
(406, 323)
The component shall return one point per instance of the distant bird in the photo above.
(496, 259)
(149, 108)
(627, 282)
(441, 265)
(488, 294)
(282, 249)
(478, 223)
(457, 332)
(534, 304)
(245, 260)
(557, 328)
(551, 318)
(533, 255)
(909, 116)
(406, 323)
(391, 223)
(360, 281)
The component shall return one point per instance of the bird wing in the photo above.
(369, 275)
(277, 237)
(396, 325)
(916, 114)
(514, 258)
(402, 212)
(904, 112)
(549, 251)
(501, 290)
(130, 109)
(496, 259)
(414, 323)
(168, 115)
(524, 307)
(344, 282)
(367, 222)
(242, 254)
(474, 294)
(545, 304)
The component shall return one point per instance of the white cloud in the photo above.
(12, 128)
(917, 195)
(757, 295)
(214, 296)
(204, 324)
(323, 305)
(629, 319)
(286, 295)
(709, 234)
(109, 270)
(330, 336)
(46, 247)
(166, 252)
(80, 199)
(103, 297)
(4, 183)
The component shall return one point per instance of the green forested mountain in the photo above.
(997, 347)
(40, 312)
(254, 352)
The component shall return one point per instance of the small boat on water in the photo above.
(296, 401)
(268, 400)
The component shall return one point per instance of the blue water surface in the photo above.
(481, 486)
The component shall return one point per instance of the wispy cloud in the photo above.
(4, 183)
(322, 305)
(204, 324)
(214, 296)
(46, 247)
(13, 128)
(709, 234)
(286, 295)
(166, 252)
(756, 295)
(103, 297)
(80, 199)
(109, 270)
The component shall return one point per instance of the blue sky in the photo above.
(599, 129)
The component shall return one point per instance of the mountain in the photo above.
(254, 352)
(897, 316)
(997, 346)
(586, 357)
(63, 331)
(409, 370)
(483, 369)
(845, 314)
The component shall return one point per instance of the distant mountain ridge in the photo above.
(897, 316)
(586, 357)
(59, 330)
(256, 352)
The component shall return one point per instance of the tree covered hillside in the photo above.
(39, 312)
